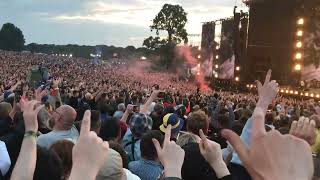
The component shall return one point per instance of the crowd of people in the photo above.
(111, 121)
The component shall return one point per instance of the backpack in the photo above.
(132, 143)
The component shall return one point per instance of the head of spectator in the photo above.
(63, 118)
(112, 169)
(194, 165)
(195, 108)
(147, 148)
(175, 122)
(269, 119)
(5, 109)
(140, 124)
(48, 165)
(63, 149)
(110, 130)
(88, 96)
(158, 108)
(196, 121)
(121, 107)
(95, 121)
(187, 138)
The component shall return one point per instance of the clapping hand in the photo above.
(304, 129)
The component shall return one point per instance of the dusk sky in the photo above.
(109, 22)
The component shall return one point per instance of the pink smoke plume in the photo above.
(185, 52)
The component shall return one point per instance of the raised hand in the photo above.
(271, 155)
(89, 153)
(39, 94)
(129, 108)
(170, 155)
(268, 91)
(304, 129)
(212, 153)
(30, 112)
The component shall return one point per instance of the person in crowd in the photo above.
(5, 161)
(196, 121)
(252, 142)
(139, 124)
(95, 122)
(173, 120)
(110, 130)
(157, 115)
(63, 148)
(63, 128)
(148, 167)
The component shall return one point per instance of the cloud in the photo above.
(121, 22)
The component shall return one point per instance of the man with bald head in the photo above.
(62, 127)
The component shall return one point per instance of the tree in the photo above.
(154, 43)
(171, 18)
(11, 38)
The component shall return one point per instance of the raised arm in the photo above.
(146, 106)
(26, 163)
(263, 158)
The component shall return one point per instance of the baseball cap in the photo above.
(173, 120)
(139, 124)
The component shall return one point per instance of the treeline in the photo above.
(85, 51)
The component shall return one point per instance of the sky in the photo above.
(109, 22)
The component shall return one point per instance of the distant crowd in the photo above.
(111, 121)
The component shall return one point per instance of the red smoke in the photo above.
(185, 52)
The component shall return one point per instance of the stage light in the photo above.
(306, 94)
(312, 95)
(296, 93)
(301, 94)
(298, 55)
(300, 21)
(282, 90)
(287, 91)
(237, 79)
(199, 56)
(299, 33)
(251, 86)
(216, 66)
(297, 67)
(143, 58)
(217, 56)
(299, 44)
(70, 55)
(291, 92)
(318, 96)
(216, 75)
(237, 68)
(248, 86)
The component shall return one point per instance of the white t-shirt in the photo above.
(5, 161)
(130, 175)
(46, 140)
